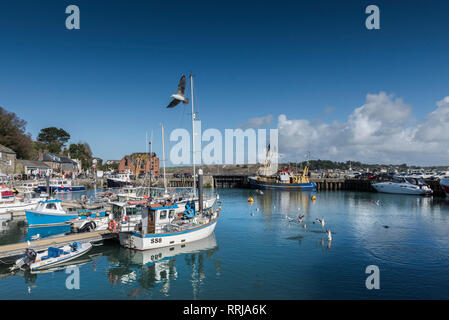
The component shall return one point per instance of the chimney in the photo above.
(40, 155)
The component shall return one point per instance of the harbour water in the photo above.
(260, 251)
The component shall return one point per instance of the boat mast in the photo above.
(193, 136)
(151, 162)
(163, 157)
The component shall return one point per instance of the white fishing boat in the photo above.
(28, 201)
(404, 185)
(160, 227)
(52, 256)
(128, 214)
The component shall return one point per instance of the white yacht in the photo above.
(28, 200)
(404, 185)
(444, 183)
(120, 180)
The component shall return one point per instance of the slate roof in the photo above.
(34, 164)
(51, 157)
(6, 149)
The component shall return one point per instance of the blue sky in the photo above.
(109, 82)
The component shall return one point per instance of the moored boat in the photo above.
(404, 185)
(52, 256)
(444, 183)
(51, 212)
(160, 227)
(120, 180)
(60, 186)
(6, 194)
(27, 201)
(269, 177)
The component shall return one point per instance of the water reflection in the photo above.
(151, 268)
(286, 202)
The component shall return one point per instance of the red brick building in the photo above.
(140, 163)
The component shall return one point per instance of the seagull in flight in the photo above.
(178, 97)
(321, 221)
(300, 218)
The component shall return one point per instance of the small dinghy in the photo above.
(52, 256)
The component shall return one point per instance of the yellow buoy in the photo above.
(313, 197)
(250, 199)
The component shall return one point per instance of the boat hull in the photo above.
(47, 219)
(154, 241)
(114, 183)
(444, 183)
(12, 207)
(54, 189)
(254, 183)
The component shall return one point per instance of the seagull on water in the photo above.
(178, 97)
(321, 221)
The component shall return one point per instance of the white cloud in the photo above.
(257, 122)
(377, 132)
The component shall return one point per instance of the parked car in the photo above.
(352, 175)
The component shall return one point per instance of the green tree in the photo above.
(13, 136)
(53, 139)
(81, 151)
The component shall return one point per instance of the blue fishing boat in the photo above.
(49, 212)
(60, 186)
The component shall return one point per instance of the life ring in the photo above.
(112, 226)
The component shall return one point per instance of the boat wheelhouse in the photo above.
(162, 227)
